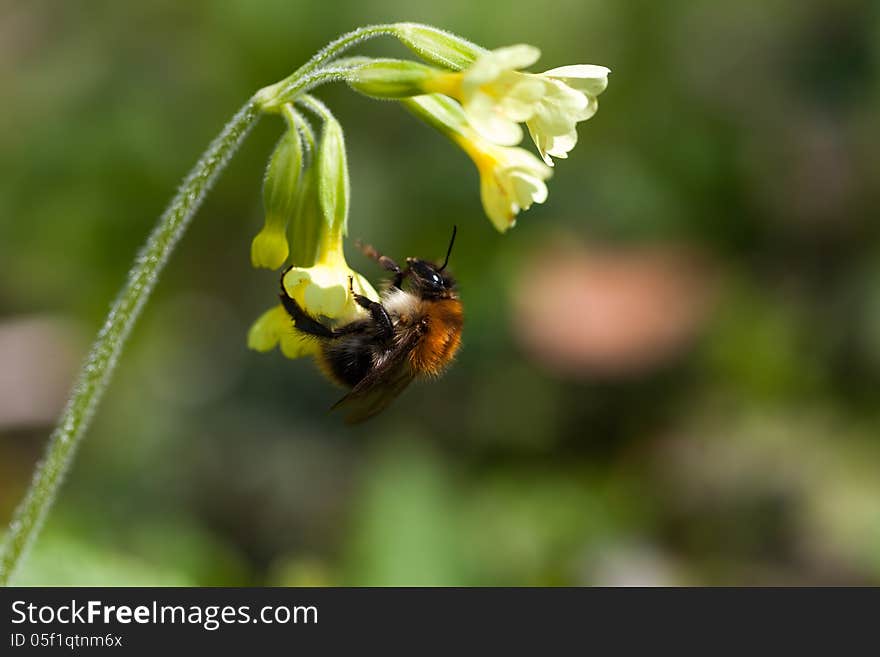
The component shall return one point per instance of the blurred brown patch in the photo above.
(610, 310)
(38, 357)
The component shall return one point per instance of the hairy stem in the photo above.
(101, 361)
(284, 91)
(274, 97)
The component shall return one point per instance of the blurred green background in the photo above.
(670, 370)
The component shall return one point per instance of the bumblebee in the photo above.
(414, 331)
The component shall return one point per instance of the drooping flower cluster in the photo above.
(308, 207)
(306, 202)
(496, 96)
(476, 97)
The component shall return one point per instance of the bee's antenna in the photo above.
(449, 250)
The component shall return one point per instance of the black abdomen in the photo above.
(348, 361)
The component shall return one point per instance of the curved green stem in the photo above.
(274, 97)
(301, 124)
(316, 107)
(101, 361)
(281, 92)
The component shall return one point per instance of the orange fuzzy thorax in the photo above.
(438, 345)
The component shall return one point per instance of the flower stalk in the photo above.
(102, 358)
(99, 365)
(475, 96)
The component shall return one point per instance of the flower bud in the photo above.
(321, 282)
(438, 46)
(391, 78)
(269, 248)
(305, 229)
(333, 185)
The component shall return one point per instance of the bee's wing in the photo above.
(381, 386)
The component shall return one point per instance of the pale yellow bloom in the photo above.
(511, 179)
(323, 289)
(497, 96)
(275, 327)
(571, 96)
(321, 286)
(269, 248)
(323, 292)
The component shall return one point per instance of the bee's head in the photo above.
(428, 279)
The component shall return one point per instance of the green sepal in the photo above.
(333, 183)
(438, 46)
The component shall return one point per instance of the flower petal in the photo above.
(527, 189)
(294, 278)
(588, 111)
(265, 333)
(590, 79)
(560, 145)
(269, 248)
(515, 57)
(325, 300)
(511, 179)
(519, 102)
(522, 160)
(322, 290)
(541, 142)
(275, 326)
(496, 202)
(492, 124)
(553, 127)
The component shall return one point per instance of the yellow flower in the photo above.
(275, 326)
(511, 179)
(320, 285)
(323, 291)
(497, 97)
(571, 96)
(269, 248)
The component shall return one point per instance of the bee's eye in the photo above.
(427, 274)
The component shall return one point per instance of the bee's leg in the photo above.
(303, 321)
(377, 311)
(385, 262)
